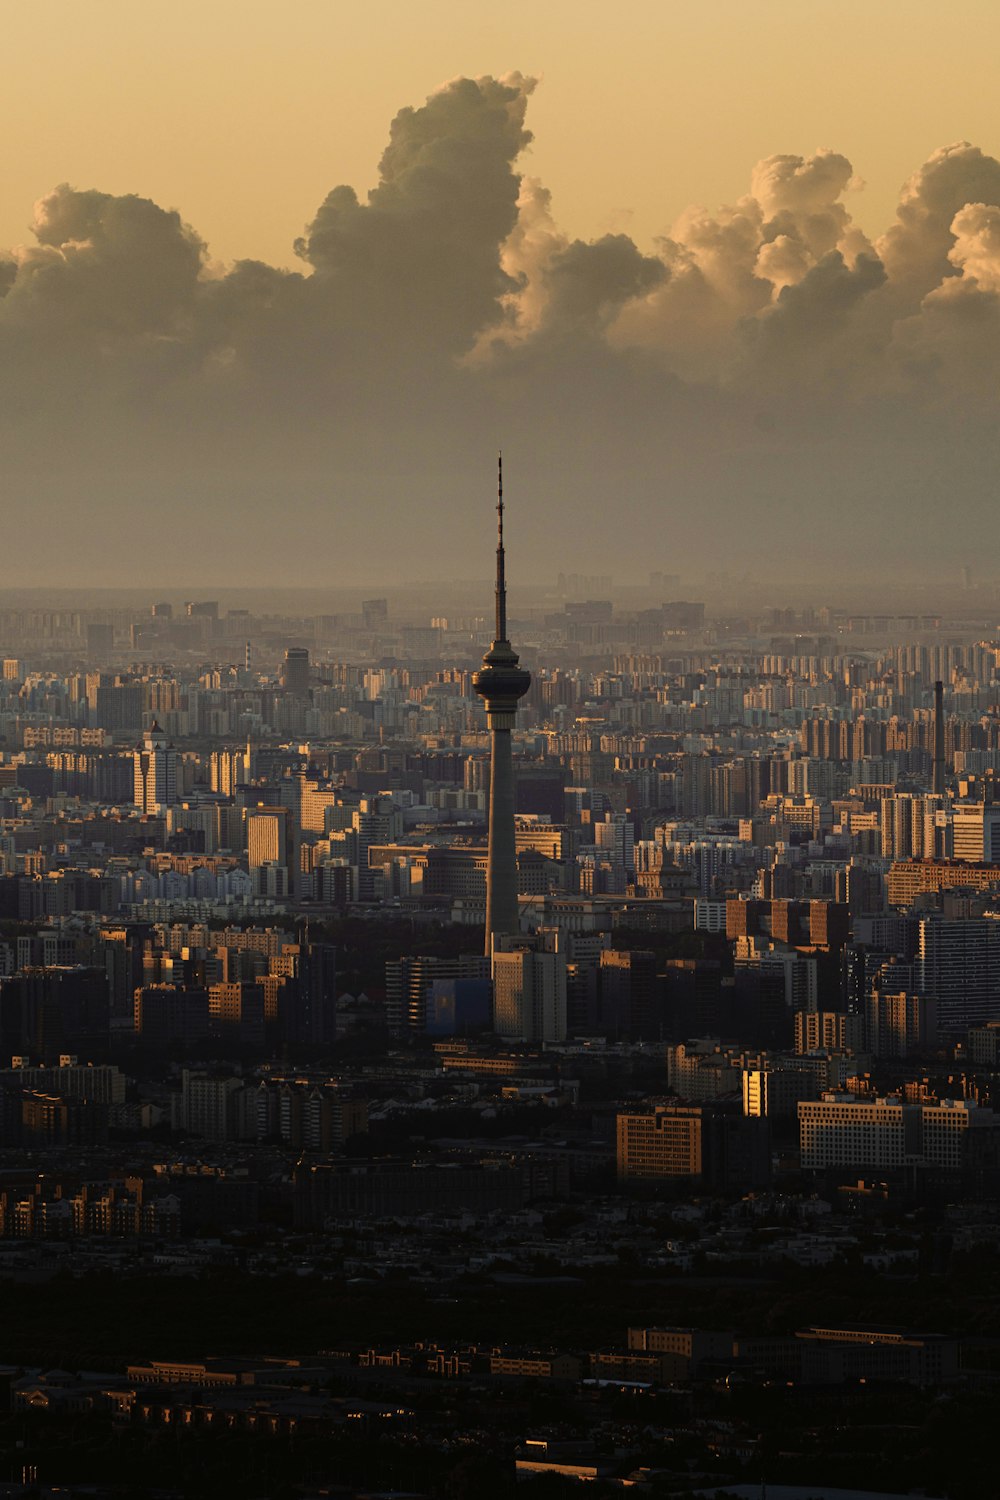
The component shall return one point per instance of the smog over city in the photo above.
(499, 750)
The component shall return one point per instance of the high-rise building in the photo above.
(976, 832)
(295, 671)
(269, 842)
(529, 990)
(501, 683)
(155, 771)
(957, 964)
(100, 640)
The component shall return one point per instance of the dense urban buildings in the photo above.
(670, 958)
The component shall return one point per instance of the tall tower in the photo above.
(501, 683)
(295, 671)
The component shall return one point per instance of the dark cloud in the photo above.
(420, 259)
(117, 267)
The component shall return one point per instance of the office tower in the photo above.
(295, 671)
(114, 703)
(529, 990)
(268, 840)
(155, 771)
(46, 1012)
(976, 832)
(540, 790)
(957, 963)
(501, 683)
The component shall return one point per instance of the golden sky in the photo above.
(242, 114)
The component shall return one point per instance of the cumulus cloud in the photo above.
(976, 251)
(561, 289)
(421, 256)
(449, 307)
(121, 267)
(729, 270)
(916, 249)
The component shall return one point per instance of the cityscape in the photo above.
(499, 751)
(599, 1088)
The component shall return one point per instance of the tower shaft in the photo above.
(501, 872)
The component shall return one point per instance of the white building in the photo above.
(155, 771)
(976, 832)
(840, 1130)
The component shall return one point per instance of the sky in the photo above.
(721, 279)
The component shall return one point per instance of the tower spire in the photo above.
(501, 623)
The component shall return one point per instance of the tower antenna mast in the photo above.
(501, 621)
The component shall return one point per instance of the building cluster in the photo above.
(807, 799)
